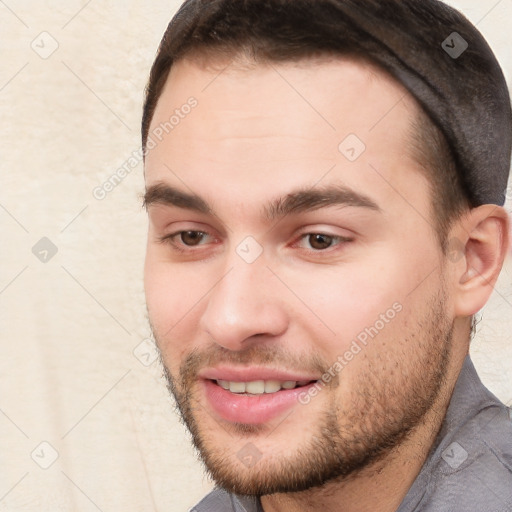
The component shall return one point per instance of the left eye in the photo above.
(191, 238)
(320, 241)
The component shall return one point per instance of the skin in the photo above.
(297, 307)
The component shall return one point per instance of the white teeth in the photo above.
(223, 384)
(258, 387)
(237, 387)
(271, 386)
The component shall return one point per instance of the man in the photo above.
(325, 182)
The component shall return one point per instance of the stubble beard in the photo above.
(392, 399)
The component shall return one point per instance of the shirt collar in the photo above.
(468, 398)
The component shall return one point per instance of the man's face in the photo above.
(285, 253)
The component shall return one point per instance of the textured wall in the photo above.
(75, 372)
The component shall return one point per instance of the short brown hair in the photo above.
(293, 30)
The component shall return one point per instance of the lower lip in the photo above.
(255, 409)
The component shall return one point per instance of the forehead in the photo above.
(280, 124)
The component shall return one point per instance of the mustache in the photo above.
(269, 356)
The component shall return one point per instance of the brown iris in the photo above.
(191, 237)
(319, 241)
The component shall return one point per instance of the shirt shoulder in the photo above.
(473, 472)
(469, 467)
(220, 500)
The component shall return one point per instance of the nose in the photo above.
(244, 307)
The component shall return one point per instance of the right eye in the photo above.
(186, 238)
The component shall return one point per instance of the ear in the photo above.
(477, 249)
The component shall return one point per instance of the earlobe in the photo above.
(483, 238)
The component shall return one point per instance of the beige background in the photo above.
(74, 366)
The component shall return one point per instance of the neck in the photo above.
(383, 484)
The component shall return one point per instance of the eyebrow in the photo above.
(299, 201)
(161, 193)
(311, 199)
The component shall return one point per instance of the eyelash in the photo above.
(170, 239)
(340, 240)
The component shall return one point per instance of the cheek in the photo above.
(347, 298)
(174, 298)
(370, 295)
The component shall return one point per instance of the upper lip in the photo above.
(253, 373)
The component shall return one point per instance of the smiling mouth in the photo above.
(255, 401)
(260, 387)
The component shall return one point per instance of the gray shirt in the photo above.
(468, 469)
